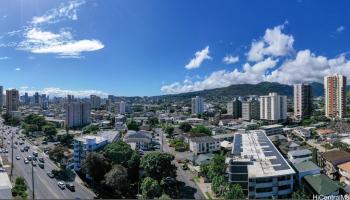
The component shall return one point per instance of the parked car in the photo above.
(61, 185)
(41, 165)
(70, 186)
(18, 158)
(26, 161)
(41, 159)
(51, 175)
(34, 163)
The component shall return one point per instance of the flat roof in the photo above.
(272, 126)
(5, 186)
(306, 166)
(257, 148)
(345, 166)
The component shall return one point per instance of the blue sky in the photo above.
(133, 47)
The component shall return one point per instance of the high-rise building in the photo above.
(70, 98)
(302, 101)
(95, 101)
(197, 105)
(251, 109)
(12, 100)
(234, 108)
(36, 98)
(120, 107)
(77, 114)
(26, 98)
(1, 96)
(335, 96)
(273, 107)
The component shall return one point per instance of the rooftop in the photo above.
(204, 139)
(257, 148)
(345, 166)
(5, 186)
(306, 166)
(336, 155)
(321, 184)
(272, 126)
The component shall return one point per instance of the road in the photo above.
(189, 190)
(44, 186)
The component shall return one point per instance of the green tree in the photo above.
(150, 188)
(299, 195)
(134, 166)
(185, 127)
(217, 166)
(117, 180)
(118, 153)
(66, 139)
(169, 130)
(49, 130)
(57, 153)
(158, 165)
(164, 197)
(96, 166)
(219, 185)
(91, 129)
(234, 192)
(201, 129)
(20, 188)
(133, 125)
(153, 121)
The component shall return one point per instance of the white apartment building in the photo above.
(120, 107)
(273, 107)
(250, 110)
(197, 105)
(77, 114)
(206, 144)
(335, 96)
(259, 167)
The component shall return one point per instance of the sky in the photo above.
(155, 47)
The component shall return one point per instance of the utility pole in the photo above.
(33, 180)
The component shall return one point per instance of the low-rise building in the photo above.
(206, 144)
(272, 129)
(330, 160)
(344, 171)
(302, 132)
(140, 139)
(304, 169)
(320, 184)
(259, 168)
(85, 144)
(299, 155)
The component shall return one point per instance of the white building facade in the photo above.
(273, 107)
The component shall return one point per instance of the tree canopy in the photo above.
(157, 165)
(150, 188)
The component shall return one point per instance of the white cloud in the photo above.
(18, 69)
(340, 29)
(200, 56)
(223, 78)
(4, 58)
(64, 11)
(58, 92)
(274, 43)
(229, 59)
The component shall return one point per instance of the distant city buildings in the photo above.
(77, 114)
(302, 101)
(273, 107)
(250, 109)
(12, 101)
(234, 108)
(197, 105)
(95, 101)
(1, 96)
(335, 96)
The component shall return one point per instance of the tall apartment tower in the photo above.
(234, 108)
(77, 114)
(197, 105)
(302, 101)
(12, 100)
(1, 96)
(273, 107)
(335, 96)
(120, 107)
(251, 109)
(95, 101)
